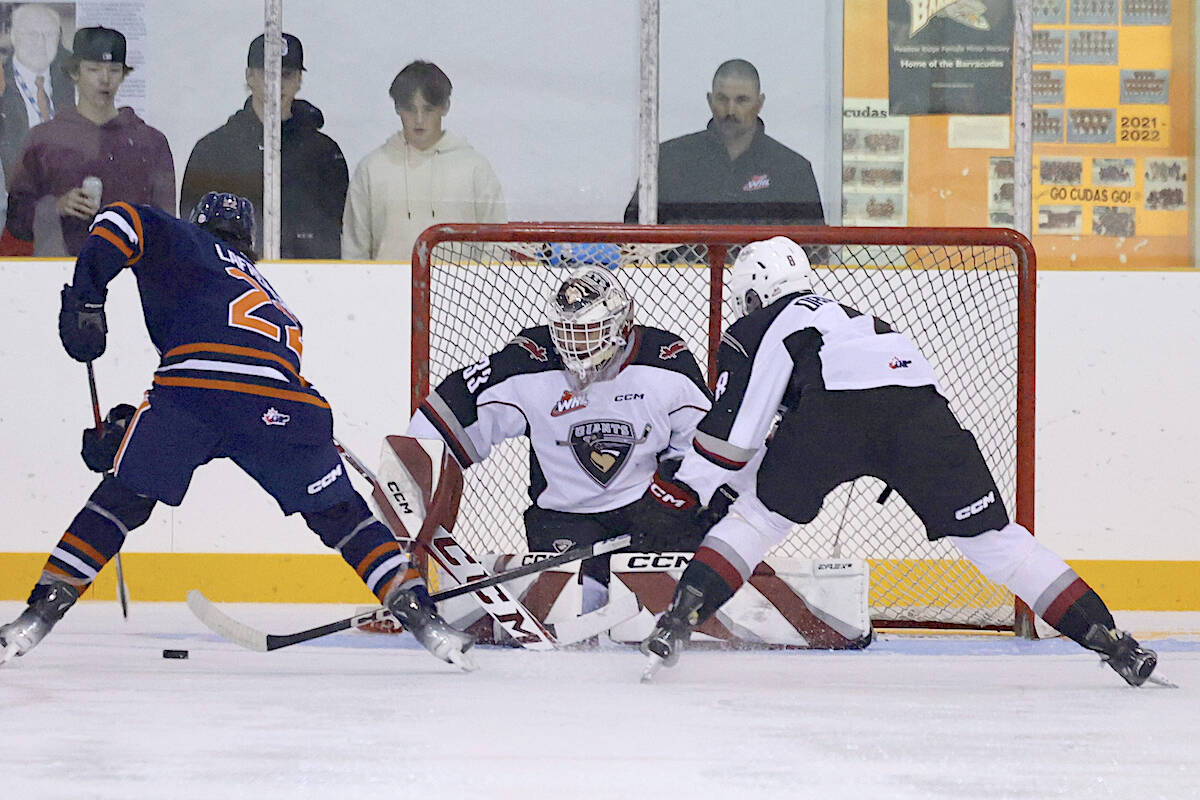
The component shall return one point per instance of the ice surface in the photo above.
(95, 711)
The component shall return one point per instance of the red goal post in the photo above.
(965, 295)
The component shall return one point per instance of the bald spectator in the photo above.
(732, 172)
(35, 80)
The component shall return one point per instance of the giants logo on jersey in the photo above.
(671, 350)
(535, 350)
(602, 447)
(568, 403)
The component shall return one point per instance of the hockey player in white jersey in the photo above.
(860, 399)
(604, 402)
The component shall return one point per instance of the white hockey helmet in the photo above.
(765, 271)
(591, 318)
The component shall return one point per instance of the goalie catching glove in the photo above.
(100, 446)
(81, 326)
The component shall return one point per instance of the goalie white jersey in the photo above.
(591, 450)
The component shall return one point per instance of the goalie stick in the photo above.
(580, 628)
(409, 507)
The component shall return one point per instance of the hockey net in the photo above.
(964, 295)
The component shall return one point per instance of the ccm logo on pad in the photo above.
(976, 507)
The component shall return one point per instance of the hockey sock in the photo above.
(366, 545)
(1075, 611)
(1012, 556)
(712, 582)
(94, 536)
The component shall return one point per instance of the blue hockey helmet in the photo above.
(226, 215)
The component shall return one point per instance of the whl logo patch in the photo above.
(568, 403)
(899, 363)
(757, 182)
(602, 447)
(275, 417)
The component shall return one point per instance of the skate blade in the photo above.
(653, 665)
(464, 660)
(8, 653)
(1155, 679)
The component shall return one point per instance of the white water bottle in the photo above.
(93, 188)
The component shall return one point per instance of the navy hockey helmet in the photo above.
(226, 215)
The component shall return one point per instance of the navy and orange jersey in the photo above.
(214, 319)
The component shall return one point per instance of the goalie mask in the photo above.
(591, 318)
(767, 270)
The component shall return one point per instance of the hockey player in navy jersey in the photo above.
(603, 402)
(849, 412)
(228, 385)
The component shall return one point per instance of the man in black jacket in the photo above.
(732, 172)
(314, 180)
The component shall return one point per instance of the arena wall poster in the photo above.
(950, 56)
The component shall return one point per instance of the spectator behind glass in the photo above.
(420, 176)
(313, 183)
(35, 81)
(132, 160)
(732, 172)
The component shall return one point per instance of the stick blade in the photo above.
(593, 623)
(225, 626)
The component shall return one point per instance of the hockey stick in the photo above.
(252, 639)
(460, 565)
(122, 590)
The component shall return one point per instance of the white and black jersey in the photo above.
(800, 343)
(591, 451)
(857, 398)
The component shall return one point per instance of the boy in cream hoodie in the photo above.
(422, 175)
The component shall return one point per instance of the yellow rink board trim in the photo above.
(283, 578)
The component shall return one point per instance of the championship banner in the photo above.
(950, 56)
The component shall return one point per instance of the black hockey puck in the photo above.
(175, 653)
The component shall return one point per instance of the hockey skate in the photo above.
(1123, 653)
(673, 630)
(417, 613)
(47, 606)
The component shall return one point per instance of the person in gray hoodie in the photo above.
(313, 183)
(422, 175)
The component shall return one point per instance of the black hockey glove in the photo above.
(665, 515)
(717, 507)
(81, 327)
(100, 447)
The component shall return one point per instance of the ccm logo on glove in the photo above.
(673, 495)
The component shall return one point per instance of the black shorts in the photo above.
(905, 436)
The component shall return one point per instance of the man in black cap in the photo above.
(314, 179)
(94, 140)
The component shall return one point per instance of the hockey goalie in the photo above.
(606, 404)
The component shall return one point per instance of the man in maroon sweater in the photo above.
(96, 139)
